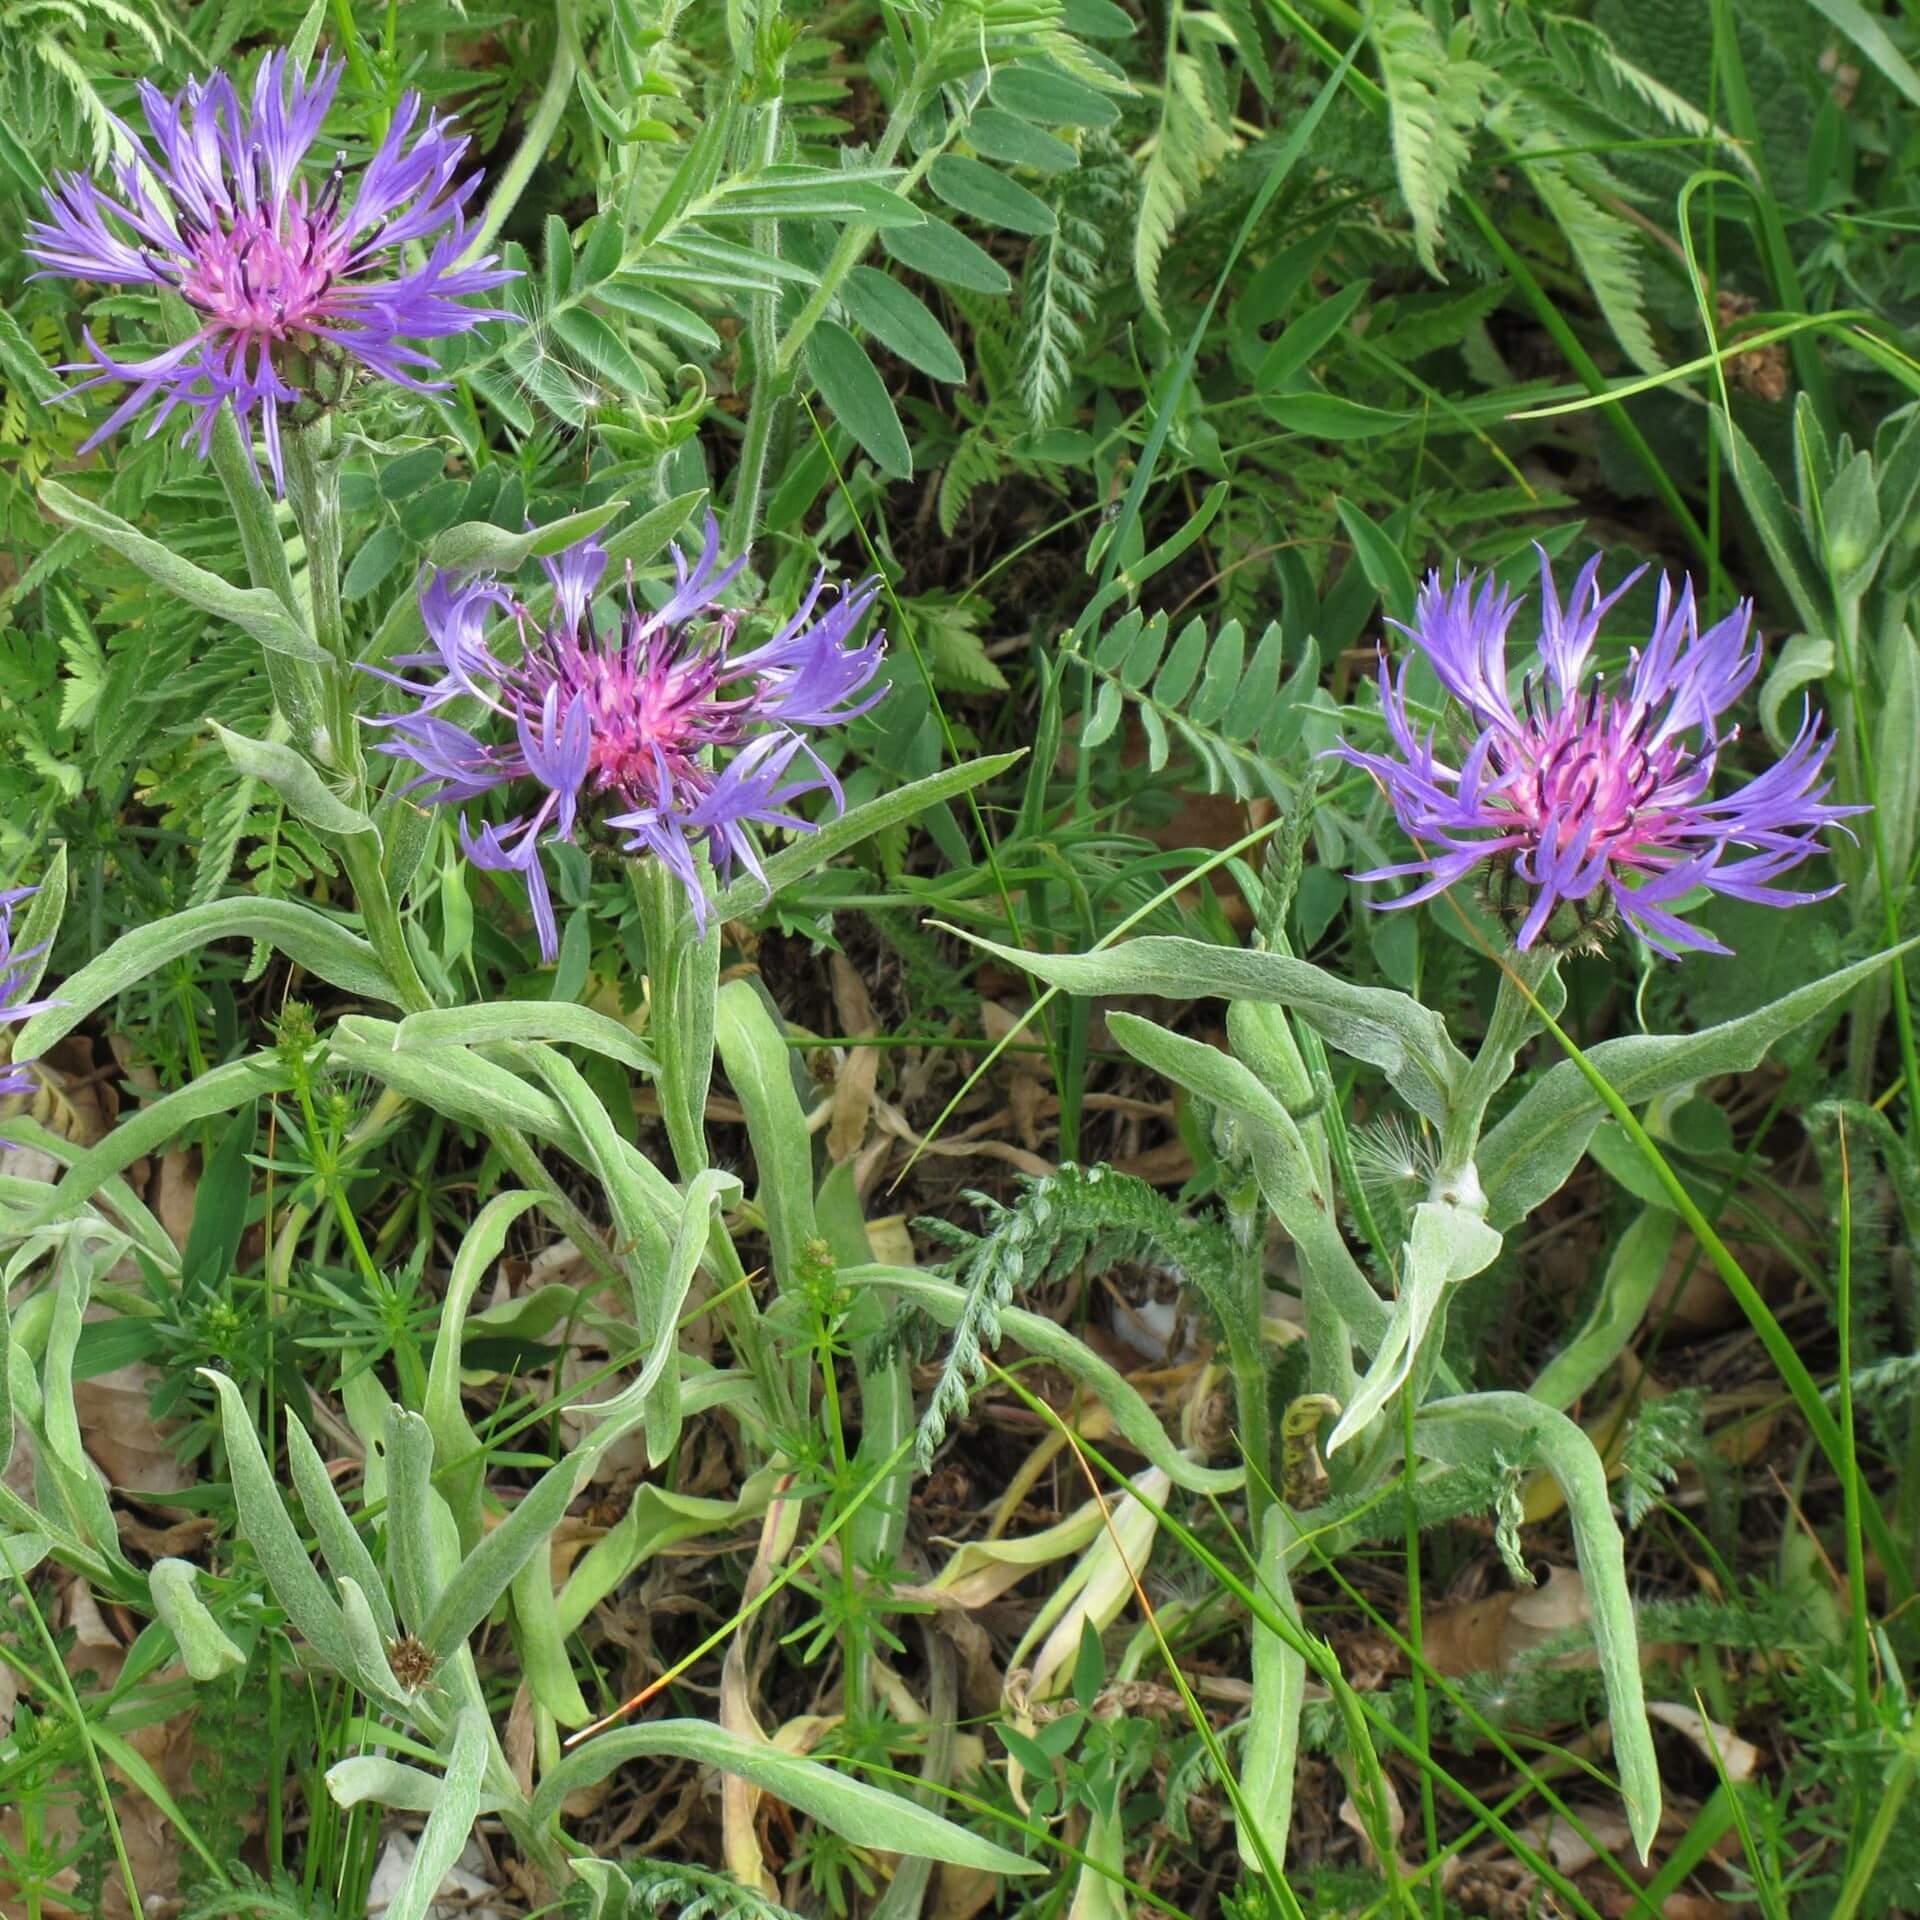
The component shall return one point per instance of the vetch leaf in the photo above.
(859, 397)
(943, 253)
(902, 323)
(972, 187)
(376, 557)
(669, 315)
(1050, 98)
(1014, 142)
(586, 334)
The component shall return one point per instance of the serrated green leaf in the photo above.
(1435, 100)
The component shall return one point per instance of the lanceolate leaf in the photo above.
(1479, 1429)
(455, 1809)
(270, 1531)
(252, 609)
(865, 1815)
(1529, 1154)
(310, 939)
(297, 781)
(813, 851)
(1406, 1041)
(902, 323)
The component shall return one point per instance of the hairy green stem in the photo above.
(1513, 1023)
(313, 491)
(854, 241)
(762, 149)
(683, 976)
(1866, 1861)
(313, 488)
(534, 142)
(297, 687)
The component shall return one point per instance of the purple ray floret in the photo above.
(651, 723)
(1592, 796)
(279, 266)
(16, 1076)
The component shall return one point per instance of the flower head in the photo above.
(1587, 796)
(652, 725)
(283, 270)
(15, 1076)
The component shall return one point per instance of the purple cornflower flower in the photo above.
(1583, 788)
(280, 273)
(625, 722)
(14, 1075)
